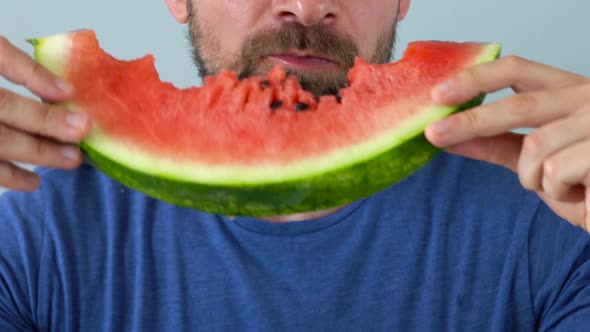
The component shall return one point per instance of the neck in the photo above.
(301, 216)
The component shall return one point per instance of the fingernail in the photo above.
(444, 89)
(70, 152)
(441, 128)
(64, 86)
(76, 120)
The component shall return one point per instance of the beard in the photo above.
(321, 40)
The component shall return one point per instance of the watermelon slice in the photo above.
(257, 146)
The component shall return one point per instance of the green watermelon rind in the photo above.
(264, 174)
(268, 174)
(338, 187)
(253, 191)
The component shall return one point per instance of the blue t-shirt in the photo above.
(457, 246)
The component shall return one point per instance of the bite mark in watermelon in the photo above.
(257, 146)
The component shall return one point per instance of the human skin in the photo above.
(317, 41)
(553, 160)
(220, 43)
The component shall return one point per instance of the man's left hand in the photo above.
(554, 158)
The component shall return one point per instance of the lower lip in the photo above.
(302, 63)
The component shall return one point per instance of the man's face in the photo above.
(316, 40)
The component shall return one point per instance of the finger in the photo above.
(38, 118)
(544, 142)
(16, 178)
(568, 202)
(566, 169)
(508, 72)
(19, 68)
(17, 146)
(503, 150)
(531, 109)
(571, 207)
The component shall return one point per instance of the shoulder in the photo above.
(63, 192)
(471, 194)
(85, 201)
(464, 183)
(68, 197)
(33, 226)
(468, 200)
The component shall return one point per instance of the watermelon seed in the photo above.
(338, 97)
(299, 107)
(264, 84)
(242, 76)
(276, 105)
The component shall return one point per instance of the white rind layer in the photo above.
(52, 51)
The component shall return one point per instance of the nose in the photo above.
(305, 12)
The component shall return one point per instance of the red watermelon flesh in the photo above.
(227, 147)
(230, 121)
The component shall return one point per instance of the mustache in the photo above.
(319, 39)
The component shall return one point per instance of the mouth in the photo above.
(302, 61)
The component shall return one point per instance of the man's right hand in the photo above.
(31, 131)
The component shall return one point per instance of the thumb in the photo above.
(503, 150)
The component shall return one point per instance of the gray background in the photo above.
(552, 32)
